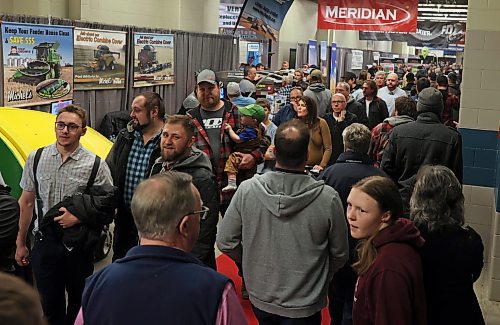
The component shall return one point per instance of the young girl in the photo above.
(390, 287)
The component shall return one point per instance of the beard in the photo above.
(139, 127)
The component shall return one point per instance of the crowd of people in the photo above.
(350, 199)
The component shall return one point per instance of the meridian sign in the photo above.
(368, 15)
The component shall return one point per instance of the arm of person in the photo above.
(391, 299)
(384, 111)
(232, 134)
(229, 235)
(230, 311)
(327, 144)
(388, 163)
(255, 157)
(26, 204)
(338, 240)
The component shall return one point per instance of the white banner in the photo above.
(357, 60)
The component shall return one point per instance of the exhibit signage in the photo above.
(368, 15)
(153, 59)
(333, 67)
(264, 17)
(228, 21)
(37, 63)
(357, 60)
(312, 52)
(99, 59)
(429, 33)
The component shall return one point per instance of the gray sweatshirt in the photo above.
(290, 234)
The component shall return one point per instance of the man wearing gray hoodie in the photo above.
(318, 92)
(288, 231)
(179, 154)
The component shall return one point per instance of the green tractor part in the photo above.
(46, 66)
(103, 59)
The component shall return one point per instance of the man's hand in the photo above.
(22, 255)
(67, 219)
(247, 160)
(227, 127)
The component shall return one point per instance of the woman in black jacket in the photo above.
(452, 256)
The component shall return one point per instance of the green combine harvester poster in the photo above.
(38, 64)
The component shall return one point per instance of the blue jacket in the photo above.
(284, 115)
(153, 285)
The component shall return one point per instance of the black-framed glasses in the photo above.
(203, 212)
(71, 127)
(338, 101)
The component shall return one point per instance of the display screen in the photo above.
(56, 106)
(221, 92)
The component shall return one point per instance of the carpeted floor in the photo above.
(226, 266)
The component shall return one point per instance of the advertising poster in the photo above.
(357, 60)
(333, 67)
(99, 59)
(153, 59)
(264, 17)
(38, 64)
(253, 53)
(429, 33)
(312, 52)
(368, 15)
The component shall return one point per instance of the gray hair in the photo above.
(378, 73)
(357, 138)
(159, 202)
(437, 198)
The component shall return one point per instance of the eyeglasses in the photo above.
(203, 212)
(296, 98)
(71, 127)
(338, 101)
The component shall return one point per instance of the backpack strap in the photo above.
(39, 202)
(93, 174)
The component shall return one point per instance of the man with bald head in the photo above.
(352, 105)
(337, 121)
(391, 91)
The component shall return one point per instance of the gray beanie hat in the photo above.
(430, 100)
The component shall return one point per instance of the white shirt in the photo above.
(390, 97)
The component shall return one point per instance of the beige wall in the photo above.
(480, 109)
(55, 8)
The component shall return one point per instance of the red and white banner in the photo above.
(368, 15)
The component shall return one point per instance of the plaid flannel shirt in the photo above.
(285, 91)
(380, 137)
(232, 117)
(452, 103)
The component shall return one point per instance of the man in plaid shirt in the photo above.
(405, 111)
(209, 118)
(136, 148)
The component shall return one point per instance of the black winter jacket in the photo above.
(336, 129)
(94, 209)
(9, 226)
(199, 167)
(117, 161)
(357, 109)
(378, 111)
(423, 142)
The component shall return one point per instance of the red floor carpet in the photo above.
(226, 266)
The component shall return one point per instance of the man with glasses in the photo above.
(136, 148)
(63, 169)
(289, 111)
(352, 105)
(159, 281)
(337, 121)
(179, 154)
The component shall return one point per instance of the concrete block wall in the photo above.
(479, 125)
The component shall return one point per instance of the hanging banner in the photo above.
(264, 17)
(372, 15)
(153, 59)
(333, 67)
(429, 33)
(99, 59)
(312, 52)
(323, 63)
(357, 60)
(37, 63)
(228, 21)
